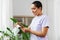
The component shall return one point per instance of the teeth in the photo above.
(18, 26)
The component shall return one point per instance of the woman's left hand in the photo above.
(27, 29)
(24, 29)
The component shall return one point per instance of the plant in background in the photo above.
(24, 36)
(10, 34)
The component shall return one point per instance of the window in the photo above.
(24, 19)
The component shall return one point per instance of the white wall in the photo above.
(54, 14)
(50, 11)
(21, 7)
(57, 18)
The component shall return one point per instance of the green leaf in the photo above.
(9, 30)
(25, 36)
(1, 31)
(24, 25)
(14, 20)
(6, 34)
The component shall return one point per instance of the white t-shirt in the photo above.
(37, 24)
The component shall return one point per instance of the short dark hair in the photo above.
(38, 4)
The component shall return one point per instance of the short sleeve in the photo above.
(30, 25)
(45, 22)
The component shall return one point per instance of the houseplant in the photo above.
(10, 34)
(25, 36)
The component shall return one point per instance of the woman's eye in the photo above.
(33, 8)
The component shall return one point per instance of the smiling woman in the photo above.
(39, 25)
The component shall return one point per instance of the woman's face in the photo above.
(36, 11)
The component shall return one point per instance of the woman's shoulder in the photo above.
(45, 16)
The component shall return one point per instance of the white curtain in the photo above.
(5, 14)
(0, 13)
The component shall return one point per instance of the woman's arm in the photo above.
(41, 33)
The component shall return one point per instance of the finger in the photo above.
(18, 26)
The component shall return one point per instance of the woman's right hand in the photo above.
(17, 24)
(23, 29)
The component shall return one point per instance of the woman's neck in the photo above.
(39, 14)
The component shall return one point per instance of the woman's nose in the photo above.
(33, 11)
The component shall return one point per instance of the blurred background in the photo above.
(20, 9)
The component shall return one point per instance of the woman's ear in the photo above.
(40, 8)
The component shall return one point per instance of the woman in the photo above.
(39, 25)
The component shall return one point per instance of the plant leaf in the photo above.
(14, 20)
